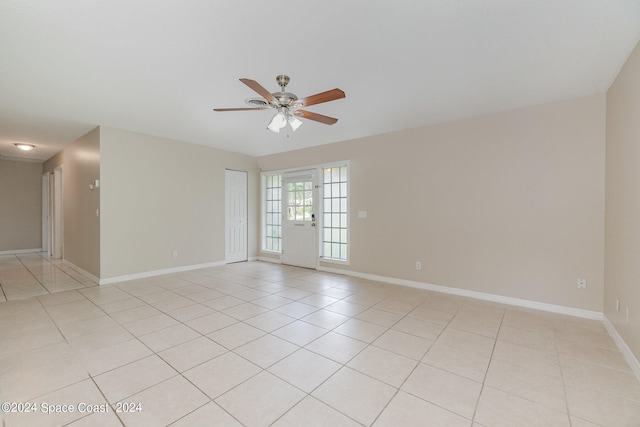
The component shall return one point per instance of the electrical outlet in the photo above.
(418, 265)
(582, 283)
(617, 305)
(175, 254)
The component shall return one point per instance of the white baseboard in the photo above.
(81, 271)
(143, 275)
(631, 359)
(21, 251)
(577, 312)
(623, 347)
(269, 259)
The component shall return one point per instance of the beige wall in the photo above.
(509, 204)
(622, 248)
(160, 195)
(20, 206)
(80, 163)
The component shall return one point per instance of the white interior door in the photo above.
(45, 212)
(235, 216)
(50, 216)
(299, 231)
(57, 246)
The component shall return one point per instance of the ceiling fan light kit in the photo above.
(278, 122)
(294, 123)
(288, 105)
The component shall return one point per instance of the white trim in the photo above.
(631, 359)
(334, 260)
(303, 168)
(269, 251)
(81, 271)
(263, 212)
(346, 261)
(577, 312)
(126, 277)
(232, 223)
(318, 168)
(302, 176)
(44, 238)
(291, 232)
(269, 259)
(57, 249)
(21, 251)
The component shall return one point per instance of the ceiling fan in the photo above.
(288, 106)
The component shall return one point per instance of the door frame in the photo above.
(245, 257)
(45, 212)
(312, 227)
(56, 216)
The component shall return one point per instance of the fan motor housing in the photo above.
(257, 102)
(285, 98)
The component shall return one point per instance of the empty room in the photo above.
(241, 213)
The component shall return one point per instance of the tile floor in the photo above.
(260, 344)
(30, 275)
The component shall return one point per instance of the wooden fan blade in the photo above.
(316, 117)
(259, 90)
(237, 109)
(321, 97)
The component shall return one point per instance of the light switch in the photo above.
(362, 214)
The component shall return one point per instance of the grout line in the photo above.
(6, 299)
(564, 384)
(105, 399)
(486, 372)
(237, 279)
(34, 276)
(399, 388)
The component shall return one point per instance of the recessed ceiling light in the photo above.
(25, 147)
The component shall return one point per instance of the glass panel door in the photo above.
(299, 231)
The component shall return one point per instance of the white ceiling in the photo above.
(159, 67)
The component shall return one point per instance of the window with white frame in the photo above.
(335, 213)
(273, 213)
